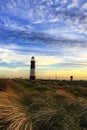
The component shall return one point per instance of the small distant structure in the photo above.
(71, 78)
(32, 69)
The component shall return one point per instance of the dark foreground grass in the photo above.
(43, 105)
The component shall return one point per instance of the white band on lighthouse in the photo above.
(32, 72)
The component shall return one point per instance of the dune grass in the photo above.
(43, 105)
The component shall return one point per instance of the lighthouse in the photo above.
(32, 69)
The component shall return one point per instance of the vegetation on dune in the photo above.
(43, 105)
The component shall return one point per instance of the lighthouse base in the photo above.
(32, 77)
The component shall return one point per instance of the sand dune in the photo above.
(43, 105)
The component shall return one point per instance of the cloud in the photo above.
(14, 56)
(25, 14)
(84, 6)
(28, 37)
(74, 3)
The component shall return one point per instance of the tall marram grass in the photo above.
(32, 109)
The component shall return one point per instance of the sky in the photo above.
(54, 31)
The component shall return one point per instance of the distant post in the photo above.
(32, 69)
(71, 78)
